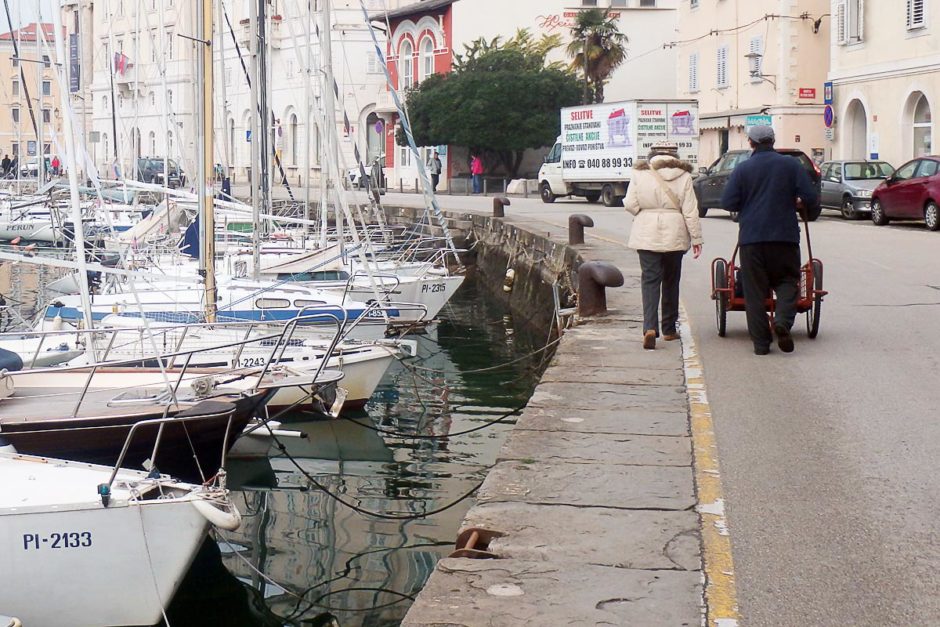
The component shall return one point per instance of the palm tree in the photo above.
(597, 48)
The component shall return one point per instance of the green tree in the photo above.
(500, 100)
(597, 48)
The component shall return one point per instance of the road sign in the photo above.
(827, 93)
(808, 92)
(830, 134)
(828, 116)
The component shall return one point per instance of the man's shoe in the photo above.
(761, 350)
(671, 337)
(649, 340)
(784, 339)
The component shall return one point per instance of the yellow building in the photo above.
(28, 79)
(886, 78)
(747, 58)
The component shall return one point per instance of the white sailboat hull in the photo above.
(32, 230)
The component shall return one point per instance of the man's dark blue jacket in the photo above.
(763, 190)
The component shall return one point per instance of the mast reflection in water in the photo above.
(302, 557)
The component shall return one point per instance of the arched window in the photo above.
(104, 140)
(406, 76)
(169, 97)
(293, 139)
(153, 99)
(153, 143)
(426, 64)
(169, 143)
(375, 137)
(923, 140)
(104, 104)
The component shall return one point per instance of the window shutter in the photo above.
(840, 23)
(754, 63)
(915, 13)
(853, 18)
(723, 66)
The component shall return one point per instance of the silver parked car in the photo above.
(847, 185)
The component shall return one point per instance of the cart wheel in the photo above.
(812, 314)
(720, 281)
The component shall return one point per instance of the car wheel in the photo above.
(878, 213)
(545, 191)
(848, 209)
(609, 197)
(932, 216)
(593, 197)
(720, 294)
(702, 211)
(814, 212)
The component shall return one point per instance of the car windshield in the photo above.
(860, 171)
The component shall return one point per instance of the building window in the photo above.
(915, 14)
(693, 72)
(693, 4)
(404, 156)
(46, 116)
(16, 88)
(294, 137)
(923, 144)
(45, 61)
(755, 58)
(16, 114)
(47, 88)
(643, 3)
(405, 66)
(623, 3)
(426, 64)
(372, 63)
(15, 148)
(589, 3)
(169, 45)
(153, 45)
(15, 61)
(849, 19)
(153, 143)
(722, 67)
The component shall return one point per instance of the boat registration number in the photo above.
(251, 362)
(64, 540)
(432, 288)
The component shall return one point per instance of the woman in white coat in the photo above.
(665, 226)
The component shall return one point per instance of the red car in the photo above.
(911, 193)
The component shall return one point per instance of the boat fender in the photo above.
(10, 361)
(228, 518)
(509, 280)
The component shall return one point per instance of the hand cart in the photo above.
(728, 294)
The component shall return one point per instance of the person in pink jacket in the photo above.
(476, 170)
(665, 226)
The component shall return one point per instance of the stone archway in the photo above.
(856, 131)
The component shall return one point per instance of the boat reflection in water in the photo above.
(319, 557)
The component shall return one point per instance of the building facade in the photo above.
(754, 61)
(29, 79)
(885, 75)
(424, 36)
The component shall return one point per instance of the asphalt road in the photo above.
(829, 455)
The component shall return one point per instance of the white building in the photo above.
(886, 78)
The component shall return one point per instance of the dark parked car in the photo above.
(150, 170)
(848, 185)
(911, 193)
(712, 180)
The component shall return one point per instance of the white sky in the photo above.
(26, 11)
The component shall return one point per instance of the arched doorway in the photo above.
(375, 137)
(917, 126)
(856, 131)
(294, 139)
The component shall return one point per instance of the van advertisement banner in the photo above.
(598, 141)
(602, 142)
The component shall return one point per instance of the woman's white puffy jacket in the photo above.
(659, 225)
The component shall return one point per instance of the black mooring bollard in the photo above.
(576, 224)
(593, 277)
(498, 206)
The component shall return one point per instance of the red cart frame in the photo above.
(809, 299)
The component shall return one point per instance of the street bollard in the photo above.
(593, 277)
(576, 224)
(484, 187)
(498, 206)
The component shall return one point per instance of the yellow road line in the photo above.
(721, 600)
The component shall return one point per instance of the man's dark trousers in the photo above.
(660, 274)
(764, 267)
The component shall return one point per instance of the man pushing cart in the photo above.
(764, 190)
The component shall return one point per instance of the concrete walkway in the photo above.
(593, 493)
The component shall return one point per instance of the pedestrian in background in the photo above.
(5, 164)
(476, 171)
(766, 190)
(665, 226)
(434, 169)
(56, 164)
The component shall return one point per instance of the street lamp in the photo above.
(754, 58)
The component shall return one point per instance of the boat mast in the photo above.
(255, 163)
(329, 107)
(204, 185)
(71, 161)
